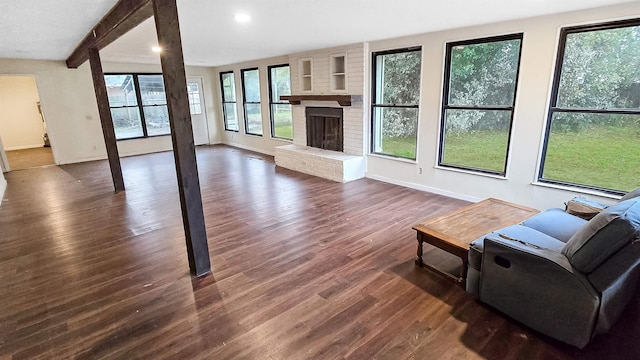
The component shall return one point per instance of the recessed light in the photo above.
(242, 18)
(156, 49)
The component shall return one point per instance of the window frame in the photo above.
(445, 102)
(191, 96)
(278, 102)
(374, 95)
(553, 100)
(245, 102)
(225, 101)
(140, 106)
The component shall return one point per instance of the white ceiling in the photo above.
(51, 29)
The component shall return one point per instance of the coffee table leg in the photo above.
(419, 261)
(463, 272)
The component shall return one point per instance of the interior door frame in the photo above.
(203, 105)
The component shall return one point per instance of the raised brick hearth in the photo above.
(345, 165)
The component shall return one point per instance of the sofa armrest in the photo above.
(539, 288)
(584, 208)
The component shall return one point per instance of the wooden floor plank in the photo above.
(303, 268)
(29, 158)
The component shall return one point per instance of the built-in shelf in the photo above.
(306, 74)
(343, 100)
(338, 73)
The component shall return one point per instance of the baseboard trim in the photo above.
(261, 151)
(430, 189)
(82, 160)
(11, 148)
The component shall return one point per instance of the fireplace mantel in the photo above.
(343, 100)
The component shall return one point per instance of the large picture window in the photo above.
(138, 105)
(228, 87)
(395, 100)
(281, 118)
(478, 100)
(251, 100)
(593, 128)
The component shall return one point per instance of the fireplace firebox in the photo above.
(324, 128)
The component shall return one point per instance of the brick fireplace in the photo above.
(327, 141)
(333, 80)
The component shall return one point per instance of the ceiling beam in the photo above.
(124, 16)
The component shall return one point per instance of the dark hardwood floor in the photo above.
(303, 268)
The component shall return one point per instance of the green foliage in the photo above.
(282, 121)
(228, 87)
(283, 130)
(600, 70)
(398, 83)
(251, 85)
(606, 157)
(280, 82)
(484, 149)
(482, 75)
(400, 146)
(603, 156)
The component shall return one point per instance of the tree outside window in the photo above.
(281, 117)
(479, 96)
(251, 96)
(593, 130)
(138, 105)
(395, 101)
(228, 86)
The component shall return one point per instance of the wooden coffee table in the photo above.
(454, 231)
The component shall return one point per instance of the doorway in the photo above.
(198, 113)
(23, 131)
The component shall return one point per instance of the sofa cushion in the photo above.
(555, 223)
(603, 235)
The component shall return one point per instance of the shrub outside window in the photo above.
(281, 117)
(251, 99)
(230, 114)
(593, 129)
(395, 101)
(478, 100)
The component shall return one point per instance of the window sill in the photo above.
(282, 139)
(578, 190)
(389, 157)
(469, 172)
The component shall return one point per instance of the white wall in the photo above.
(21, 126)
(537, 63)
(70, 109)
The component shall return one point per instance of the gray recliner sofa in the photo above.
(563, 276)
